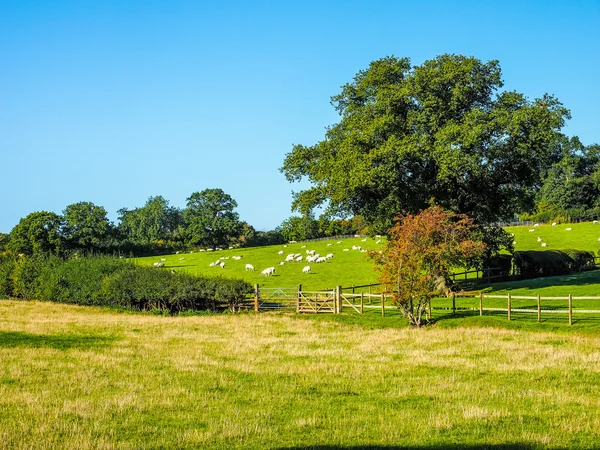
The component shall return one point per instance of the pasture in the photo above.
(345, 268)
(84, 377)
(351, 267)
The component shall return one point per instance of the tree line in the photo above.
(209, 220)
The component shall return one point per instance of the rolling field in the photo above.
(345, 269)
(83, 377)
(353, 267)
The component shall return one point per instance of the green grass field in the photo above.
(83, 377)
(345, 269)
(354, 268)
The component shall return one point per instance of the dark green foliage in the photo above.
(582, 260)
(498, 265)
(38, 232)
(441, 131)
(106, 281)
(548, 263)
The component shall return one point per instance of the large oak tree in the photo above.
(441, 131)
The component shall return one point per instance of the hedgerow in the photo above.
(106, 281)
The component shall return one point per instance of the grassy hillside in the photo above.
(83, 377)
(352, 267)
(345, 269)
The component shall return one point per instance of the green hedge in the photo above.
(548, 263)
(106, 281)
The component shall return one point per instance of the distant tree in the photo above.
(211, 219)
(153, 222)
(440, 130)
(38, 232)
(86, 226)
(247, 236)
(300, 228)
(420, 252)
(270, 237)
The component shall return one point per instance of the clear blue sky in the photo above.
(115, 101)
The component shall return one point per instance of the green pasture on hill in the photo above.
(87, 377)
(353, 267)
(346, 268)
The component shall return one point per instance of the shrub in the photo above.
(583, 260)
(106, 281)
(499, 265)
(532, 263)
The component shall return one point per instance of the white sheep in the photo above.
(338, 242)
(268, 271)
(378, 241)
(212, 264)
(298, 258)
(377, 235)
(304, 246)
(514, 242)
(363, 240)
(595, 222)
(536, 224)
(531, 231)
(553, 224)
(159, 264)
(539, 239)
(306, 269)
(280, 252)
(329, 245)
(222, 265)
(346, 250)
(290, 257)
(249, 267)
(329, 256)
(282, 263)
(321, 259)
(568, 229)
(543, 244)
(181, 259)
(162, 259)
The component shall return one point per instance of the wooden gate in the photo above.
(316, 302)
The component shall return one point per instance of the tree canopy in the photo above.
(440, 131)
(38, 232)
(85, 225)
(211, 219)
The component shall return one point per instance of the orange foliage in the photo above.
(419, 254)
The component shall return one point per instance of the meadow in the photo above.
(353, 267)
(87, 377)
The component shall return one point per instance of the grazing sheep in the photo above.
(514, 242)
(282, 263)
(230, 248)
(293, 242)
(304, 246)
(249, 267)
(210, 249)
(268, 271)
(162, 259)
(378, 241)
(201, 250)
(321, 259)
(595, 222)
(306, 269)
(222, 265)
(364, 240)
(553, 224)
(377, 235)
(298, 258)
(290, 257)
(329, 256)
(346, 250)
(536, 224)
(338, 242)
(212, 264)
(280, 252)
(568, 229)
(539, 239)
(285, 246)
(531, 231)
(329, 245)
(217, 262)
(177, 253)
(181, 259)
(543, 244)
(158, 265)
(237, 258)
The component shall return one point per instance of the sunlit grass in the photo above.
(76, 377)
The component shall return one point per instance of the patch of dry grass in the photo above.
(76, 377)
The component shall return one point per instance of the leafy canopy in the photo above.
(421, 251)
(441, 130)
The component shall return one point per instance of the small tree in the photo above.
(419, 254)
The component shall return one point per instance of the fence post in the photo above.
(298, 293)
(429, 310)
(338, 295)
(362, 302)
(454, 303)
(353, 289)
(370, 299)
(382, 304)
(508, 306)
(570, 309)
(539, 305)
(481, 304)
(256, 294)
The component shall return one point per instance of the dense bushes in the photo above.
(531, 264)
(106, 281)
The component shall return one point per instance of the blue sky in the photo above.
(115, 101)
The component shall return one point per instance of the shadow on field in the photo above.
(11, 339)
(507, 446)
(591, 277)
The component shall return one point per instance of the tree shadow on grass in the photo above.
(506, 446)
(12, 339)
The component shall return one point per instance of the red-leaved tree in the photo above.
(421, 251)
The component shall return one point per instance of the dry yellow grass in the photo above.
(77, 377)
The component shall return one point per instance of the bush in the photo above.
(499, 265)
(532, 263)
(582, 260)
(106, 281)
